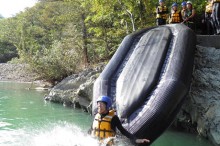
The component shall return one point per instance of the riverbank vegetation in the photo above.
(60, 37)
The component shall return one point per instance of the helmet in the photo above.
(161, 1)
(183, 3)
(174, 5)
(189, 2)
(106, 100)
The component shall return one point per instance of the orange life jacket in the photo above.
(175, 17)
(101, 127)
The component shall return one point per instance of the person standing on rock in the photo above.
(106, 121)
(161, 13)
(175, 16)
(183, 11)
(208, 18)
(189, 15)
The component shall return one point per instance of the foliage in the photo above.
(60, 37)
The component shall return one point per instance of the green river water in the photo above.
(27, 120)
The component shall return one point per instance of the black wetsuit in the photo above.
(116, 123)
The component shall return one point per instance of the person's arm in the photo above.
(157, 10)
(193, 13)
(181, 18)
(89, 131)
(116, 123)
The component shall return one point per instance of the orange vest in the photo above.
(101, 127)
(175, 17)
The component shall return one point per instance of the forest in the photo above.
(60, 37)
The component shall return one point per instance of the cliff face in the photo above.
(201, 109)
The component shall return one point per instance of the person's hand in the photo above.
(142, 140)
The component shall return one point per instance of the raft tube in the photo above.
(148, 78)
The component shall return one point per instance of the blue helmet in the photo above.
(106, 100)
(174, 5)
(161, 1)
(183, 3)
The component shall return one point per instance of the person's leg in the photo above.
(207, 26)
(164, 21)
(211, 32)
(158, 22)
(192, 25)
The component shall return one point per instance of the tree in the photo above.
(60, 37)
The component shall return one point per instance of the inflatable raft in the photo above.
(148, 78)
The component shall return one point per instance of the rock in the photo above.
(16, 72)
(76, 90)
(202, 106)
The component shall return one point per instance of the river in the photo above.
(27, 120)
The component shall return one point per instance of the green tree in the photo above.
(60, 37)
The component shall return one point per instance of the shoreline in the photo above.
(20, 73)
(16, 72)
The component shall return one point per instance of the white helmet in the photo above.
(189, 2)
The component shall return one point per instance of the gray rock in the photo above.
(201, 110)
(16, 72)
(76, 90)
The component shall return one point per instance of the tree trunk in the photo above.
(85, 49)
(129, 14)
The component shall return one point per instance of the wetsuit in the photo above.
(116, 123)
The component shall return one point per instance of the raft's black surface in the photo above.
(148, 78)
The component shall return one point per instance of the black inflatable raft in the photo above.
(148, 78)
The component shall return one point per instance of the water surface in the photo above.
(27, 120)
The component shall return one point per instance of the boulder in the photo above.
(77, 89)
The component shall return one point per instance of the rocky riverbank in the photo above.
(16, 72)
(77, 89)
(21, 73)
